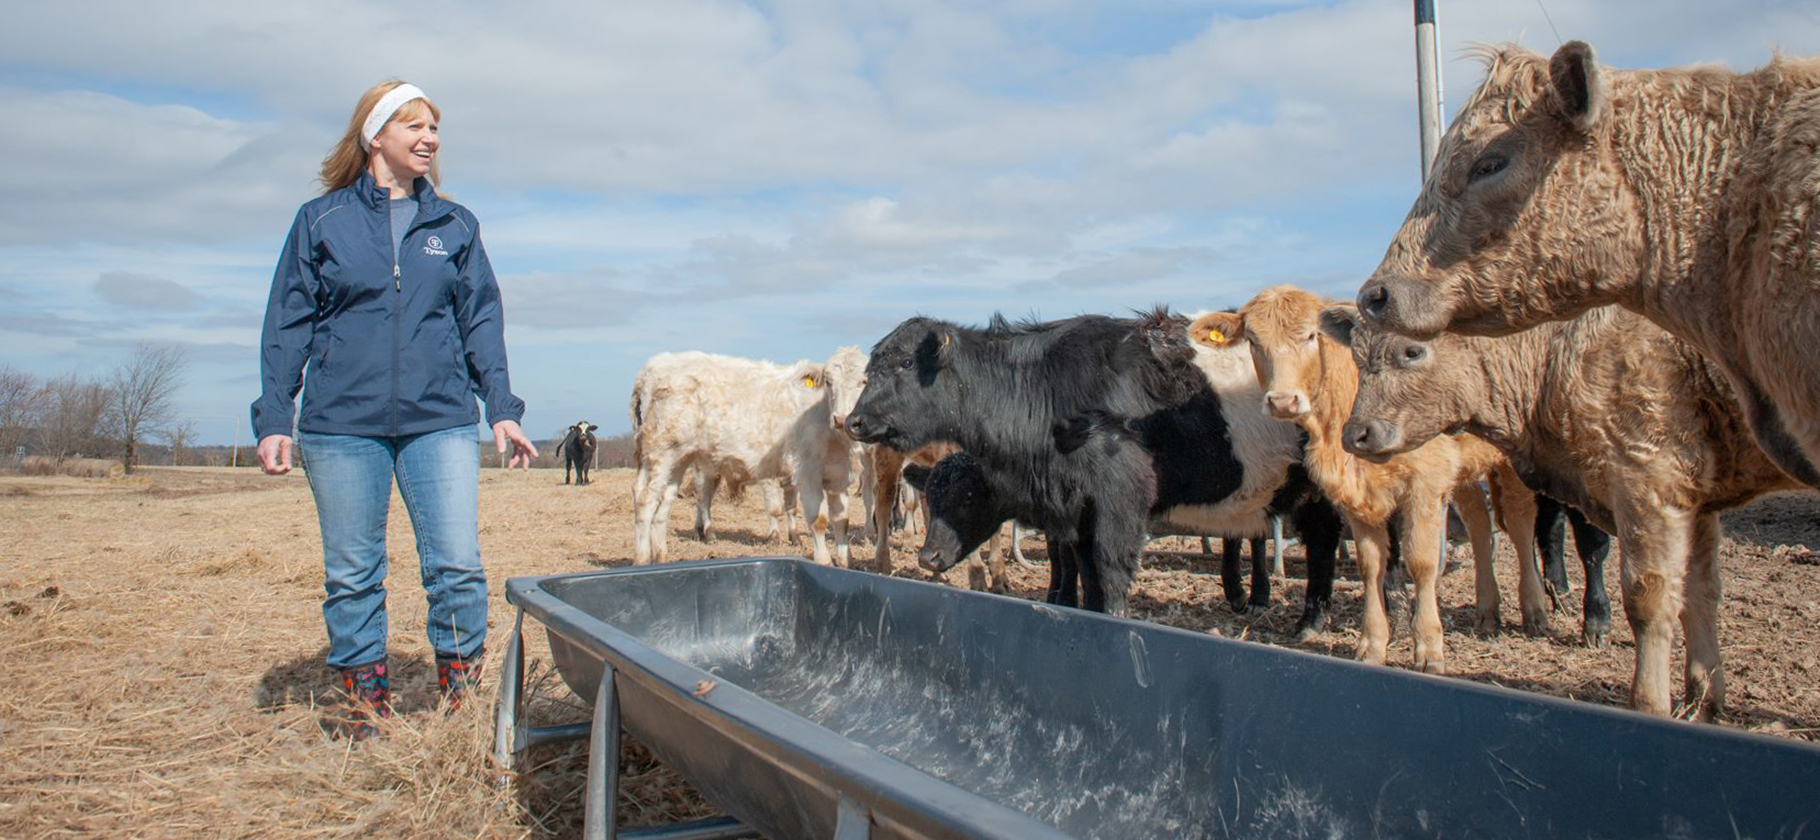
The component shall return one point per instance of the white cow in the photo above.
(740, 420)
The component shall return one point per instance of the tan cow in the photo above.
(1691, 196)
(1310, 380)
(1607, 413)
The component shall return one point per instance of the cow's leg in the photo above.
(1064, 572)
(1117, 540)
(887, 469)
(660, 529)
(1469, 500)
(565, 469)
(1653, 546)
(836, 496)
(1705, 677)
(976, 564)
(1260, 574)
(1517, 513)
(655, 481)
(1424, 521)
(1551, 541)
(1372, 542)
(808, 481)
(1593, 545)
(791, 522)
(1323, 534)
(774, 508)
(996, 578)
(707, 483)
(1230, 581)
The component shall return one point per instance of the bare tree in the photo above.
(181, 436)
(142, 390)
(70, 415)
(21, 403)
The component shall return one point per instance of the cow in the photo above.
(740, 420)
(1686, 195)
(1607, 413)
(1310, 381)
(1086, 428)
(577, 450)
(883, 468)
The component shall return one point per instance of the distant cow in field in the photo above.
(1014, 398)
(1686, 195)
(1310, 381)
(1612, 415)
(577, 450)
(740, 420)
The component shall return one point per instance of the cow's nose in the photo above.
(1374, 298)
(1280, 403)
(840, 421)
(1370, 437)
(855, 425)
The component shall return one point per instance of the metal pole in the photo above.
(1428, 83)
(600, 814)
(509, 716)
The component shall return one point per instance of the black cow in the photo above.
(964, 513)
(577, 448)
(1039, 407)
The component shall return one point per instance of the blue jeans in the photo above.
(439, 477)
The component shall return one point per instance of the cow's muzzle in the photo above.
(1373, 440)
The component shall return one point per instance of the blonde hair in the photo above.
(348, 159)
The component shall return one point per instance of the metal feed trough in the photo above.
(813, 702)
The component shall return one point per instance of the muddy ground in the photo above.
(161, 646)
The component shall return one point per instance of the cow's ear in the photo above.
(592, 427)
(949, 346)
(917, 476)
(814, 377)
(1339, 321)
(1579, 90)
(1216, 329)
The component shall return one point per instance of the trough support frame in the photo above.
(511, 738)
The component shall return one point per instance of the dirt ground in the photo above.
(161, 651)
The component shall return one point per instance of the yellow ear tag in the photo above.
(1214, 335)
(808, 382)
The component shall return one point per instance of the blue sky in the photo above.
(769, 180)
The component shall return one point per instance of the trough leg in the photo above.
(599, 821)
(508, 717)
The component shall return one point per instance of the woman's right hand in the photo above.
(275, 454)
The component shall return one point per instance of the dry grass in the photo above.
(163, 647)
(77, 467)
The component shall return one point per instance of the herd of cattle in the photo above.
(1606, 300)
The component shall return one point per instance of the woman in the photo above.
(384, 290)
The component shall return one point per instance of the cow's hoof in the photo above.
(1487, 624)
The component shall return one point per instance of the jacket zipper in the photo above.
(397, 313)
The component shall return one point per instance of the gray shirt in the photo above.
(403, 211)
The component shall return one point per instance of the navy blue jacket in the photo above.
(393, 348)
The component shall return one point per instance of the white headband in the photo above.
(382, 112)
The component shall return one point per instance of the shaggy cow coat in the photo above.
(1687, 195)
(1612, 415)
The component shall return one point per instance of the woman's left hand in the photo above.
(522, 450)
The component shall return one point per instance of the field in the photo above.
(161, 644)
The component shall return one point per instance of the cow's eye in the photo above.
(1414, 353)
(907, 363)
(1488, 166)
